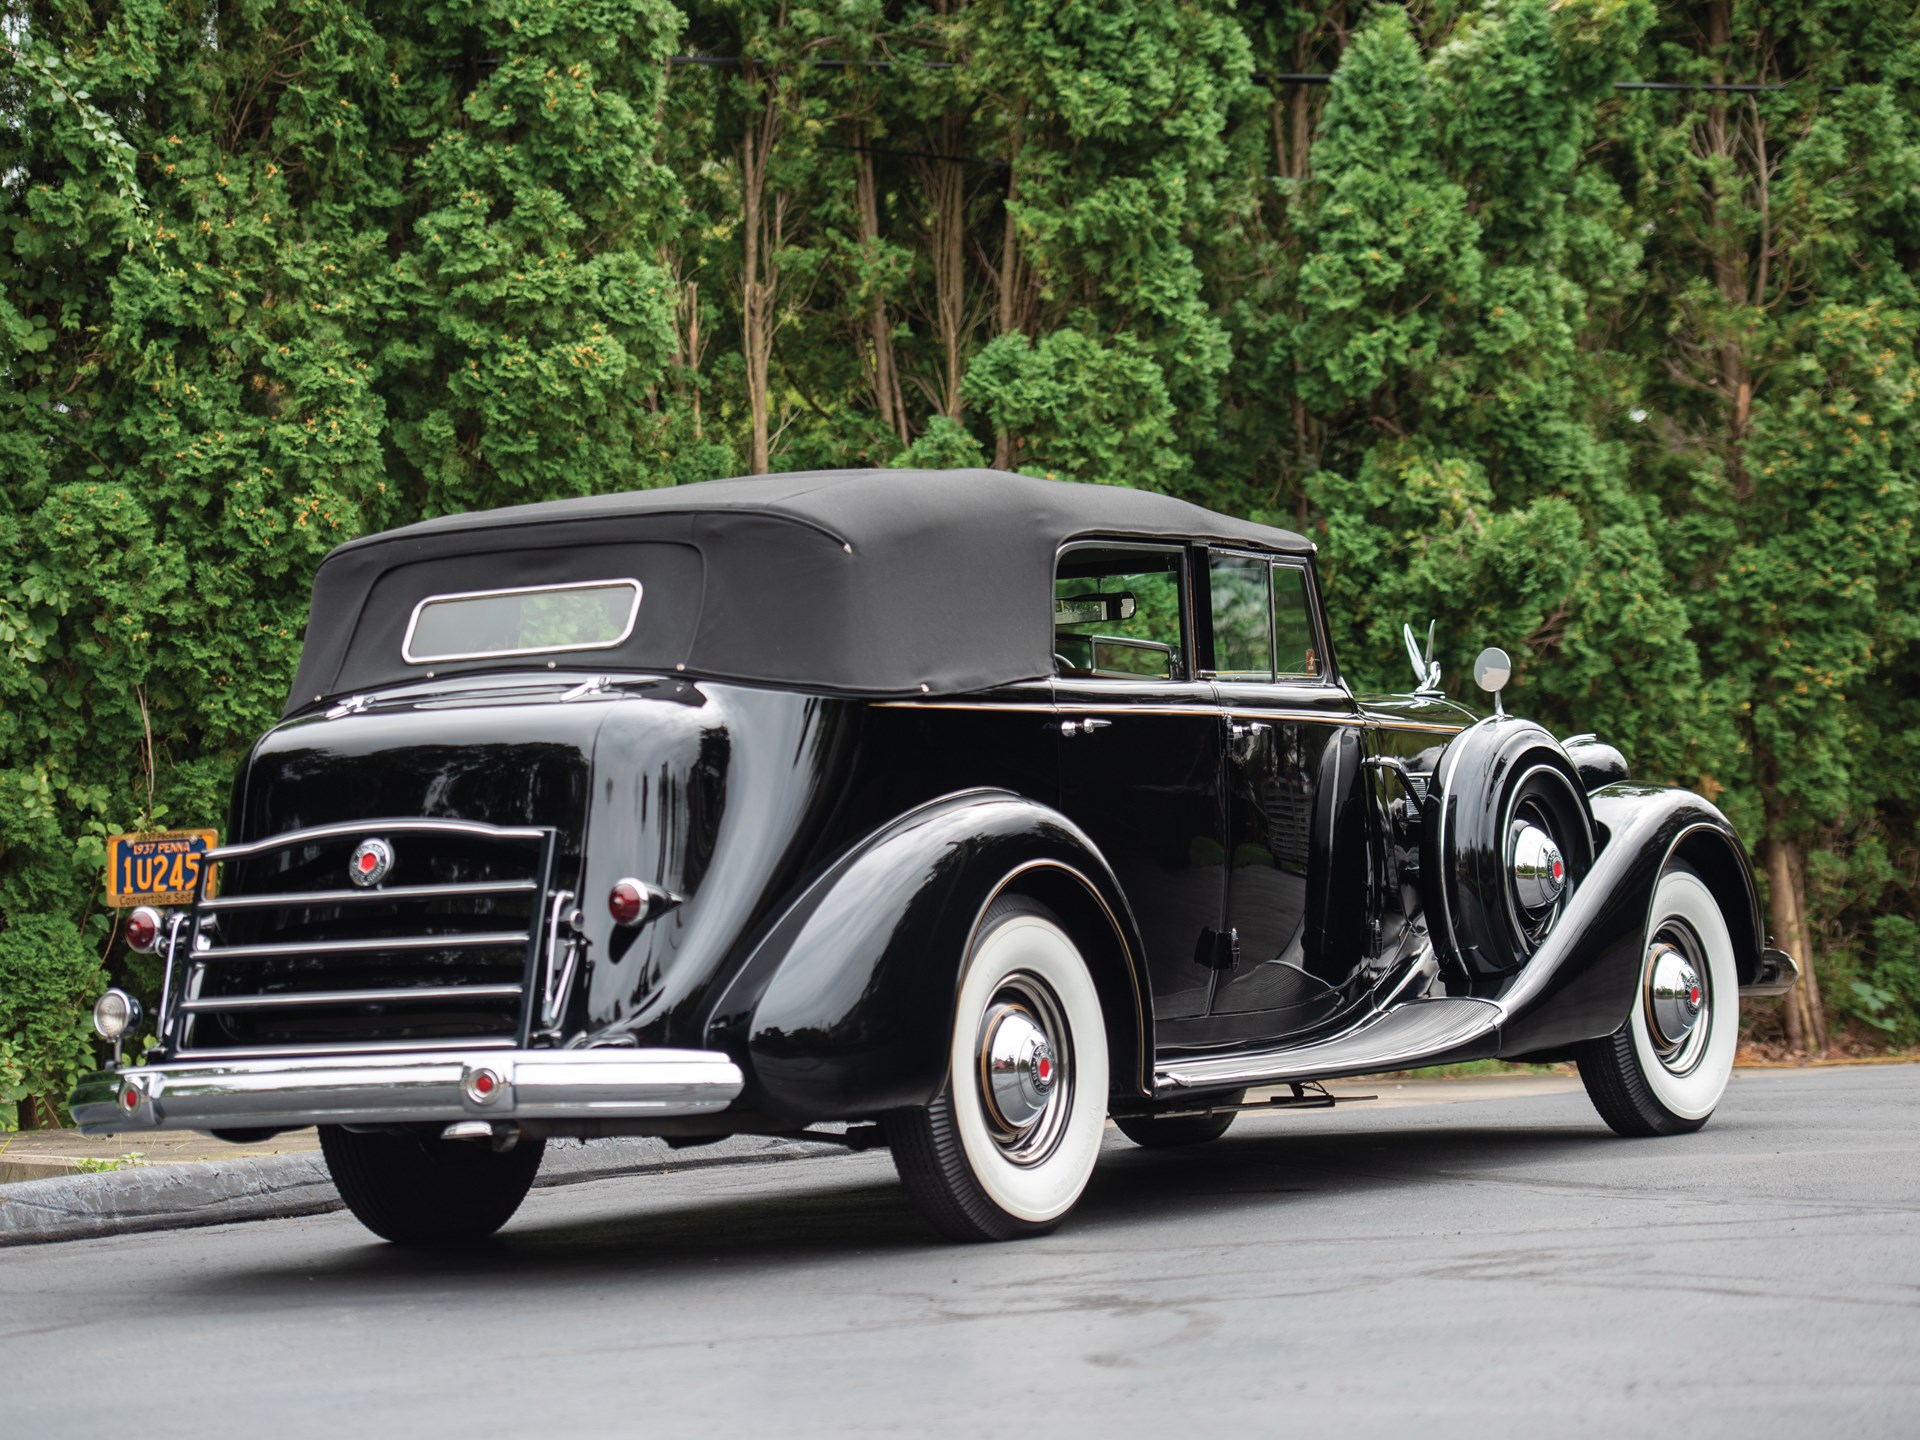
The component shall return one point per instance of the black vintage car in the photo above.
(950, 811)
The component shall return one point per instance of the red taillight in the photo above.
(131, 1099)
(627, 902)
(143, 929)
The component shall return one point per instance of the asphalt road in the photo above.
(1499, 1267)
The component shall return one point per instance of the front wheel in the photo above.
(1665, 1069)
(421, 1190)
(1008, 1145)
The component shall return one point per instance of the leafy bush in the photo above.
(49, 977)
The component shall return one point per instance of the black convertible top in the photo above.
(880, 583)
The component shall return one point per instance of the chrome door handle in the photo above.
(1070, 728)
(1240, 729)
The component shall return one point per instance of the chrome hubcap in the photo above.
(1024, 1079)
(1678, 1001)
(1539, 870)
(1019, 1065)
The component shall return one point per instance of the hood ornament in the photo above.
(1426, 670)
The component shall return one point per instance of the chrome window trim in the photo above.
(413, 621)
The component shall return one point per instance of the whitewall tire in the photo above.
(1665, 1069)
(1007, 1147)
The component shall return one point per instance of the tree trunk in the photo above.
(946, 186)
(1012, 283)
(885, 374)
(759, 270)
(1786, 916)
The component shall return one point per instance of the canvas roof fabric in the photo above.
(874, 583)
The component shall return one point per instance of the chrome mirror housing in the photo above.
(1492, 668)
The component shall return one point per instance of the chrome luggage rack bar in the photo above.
(190, 951)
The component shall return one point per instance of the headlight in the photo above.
(114, 1014)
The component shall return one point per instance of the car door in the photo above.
(1298, 901)
(1140, 752)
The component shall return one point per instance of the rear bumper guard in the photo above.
(444, 1086)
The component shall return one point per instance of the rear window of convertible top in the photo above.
(530, 620)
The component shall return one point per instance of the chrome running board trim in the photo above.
(1404, 1036)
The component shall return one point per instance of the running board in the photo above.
(1407, 1035)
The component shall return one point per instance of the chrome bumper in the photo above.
(405, 1089)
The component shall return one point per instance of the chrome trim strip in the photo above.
(316, 833)
(611, 582)
(1424, 727)
(393, 892)
(406, 1089)
(1034, 707)
(472, 941)
(349, 1047)
(351, 997)
(1121, 707)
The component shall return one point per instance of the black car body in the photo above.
(814, 729)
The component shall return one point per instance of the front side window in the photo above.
(1116, 613)
(1296, 651)
(1242, 636)
(530, 620)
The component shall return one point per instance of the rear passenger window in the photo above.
(1116, 613)
(1242, 640)
(1295, 648)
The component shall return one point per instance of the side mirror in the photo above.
(1492, 668)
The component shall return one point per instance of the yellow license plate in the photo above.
(161, 869)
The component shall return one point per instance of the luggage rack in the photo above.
(466, 951)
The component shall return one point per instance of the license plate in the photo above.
(159, 869)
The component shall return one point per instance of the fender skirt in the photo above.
(1582, 982)
(845, 1008)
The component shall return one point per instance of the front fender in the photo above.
(1583, 981)
(845, 1007)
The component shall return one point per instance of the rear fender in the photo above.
(1583, 981)
(845, 1007)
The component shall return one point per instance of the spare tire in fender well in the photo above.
(1478, 927)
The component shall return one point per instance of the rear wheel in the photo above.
(1665, 1069)
(421, 1190)
(1008, 1145)
(1162, 1132)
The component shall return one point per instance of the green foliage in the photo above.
(1626, 382)
(49, 977)
(344, 269)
